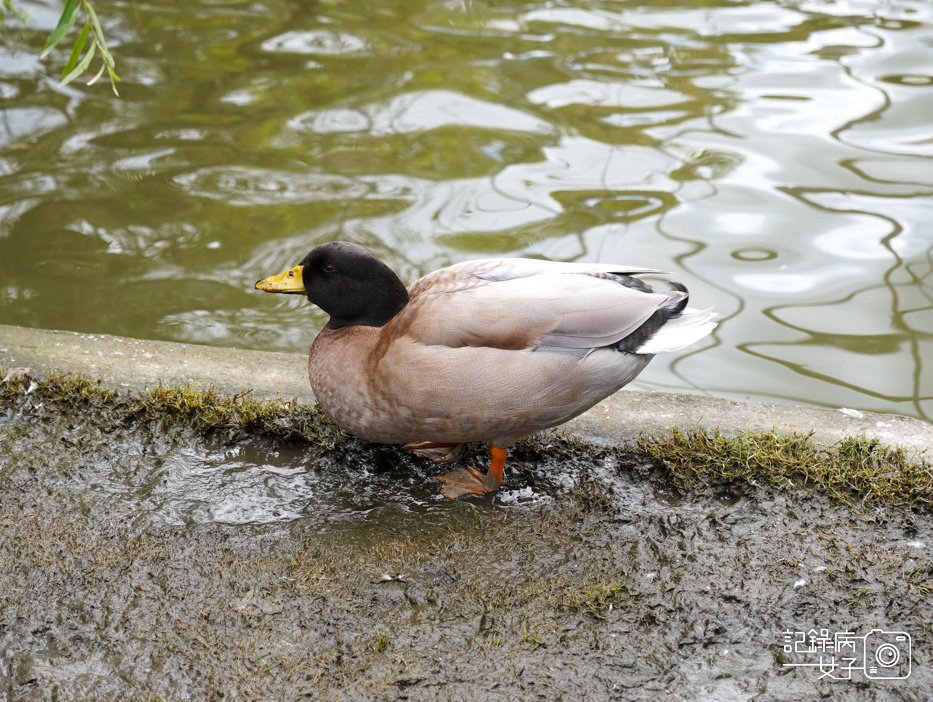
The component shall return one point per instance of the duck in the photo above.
(489, 350)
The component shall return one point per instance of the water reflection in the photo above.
(776, 156)
(418, 112)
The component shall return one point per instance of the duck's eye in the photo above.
(328, 268)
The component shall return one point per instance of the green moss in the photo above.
(207, 410)
(855, 469)
(62, 390)
(212, 411)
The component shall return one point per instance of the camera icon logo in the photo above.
(887, 655)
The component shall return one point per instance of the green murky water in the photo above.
(775, 154)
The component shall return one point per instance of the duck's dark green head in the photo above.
(346, 281)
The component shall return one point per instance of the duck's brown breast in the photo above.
(337, 370)
(403, 391)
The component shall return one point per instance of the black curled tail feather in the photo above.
(680, 305)
(670, 309)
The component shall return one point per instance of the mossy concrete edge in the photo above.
(135, 363)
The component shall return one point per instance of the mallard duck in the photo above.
(482, 351)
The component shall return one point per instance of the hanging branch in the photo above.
(90, 43)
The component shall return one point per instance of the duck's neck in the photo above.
(381, 302)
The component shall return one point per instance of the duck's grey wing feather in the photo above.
(501, 269)
(530, 304)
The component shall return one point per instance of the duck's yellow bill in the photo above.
(290, 282)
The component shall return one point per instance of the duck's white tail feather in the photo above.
(681, 331)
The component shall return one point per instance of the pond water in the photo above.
(774, 155)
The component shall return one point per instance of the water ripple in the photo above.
(418, 112)
(315, 42)
(245, 187)
(776, 156)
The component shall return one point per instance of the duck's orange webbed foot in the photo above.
(469, 481)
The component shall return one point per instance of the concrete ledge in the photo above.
(135, 363)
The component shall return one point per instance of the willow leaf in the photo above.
(78, 48)
(113, 80)
(64, 24)
(105, 55)
(81, 67)
(99, 73)
(98, 30)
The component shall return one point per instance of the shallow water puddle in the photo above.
(226, 486)
(176, 477)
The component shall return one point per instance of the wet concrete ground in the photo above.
(147, 561)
